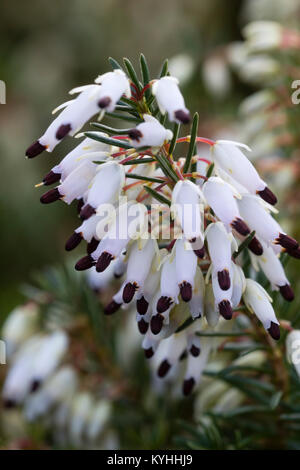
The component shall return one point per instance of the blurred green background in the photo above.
(47, 48)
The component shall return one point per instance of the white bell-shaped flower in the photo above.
(169, 288)
(239, 284)
(271, 266)
(150, 287)
(195, 367)
(188, 211)
(169, 352)
(232, 160)
(186, 264)
(170, 99)
(20, 325)
(259, 219)
(74, 115)
(259, 302)
(222, 297)
(74, 186)
(138, 267)
(104, 189)
(149, 133)
(196, 304)
(219, 246)
(98, 419)
(88, 149)
(293, 349)
(113, 86)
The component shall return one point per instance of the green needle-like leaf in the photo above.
(192, 146)
(210, 170)
(144, 178)
(140, 161)
(110, 130)
(157, 195)
(175, 136)
(132, 73)
(114, 63)
(164, 69)
(244, 244)
(107, 140)
(145, 75)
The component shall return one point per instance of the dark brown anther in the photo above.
(92, 245)
(8, 403)
(268, 196)
(148, 353)
(186, 291)
(256, 247)
(51, 178)
(87, 211)
(73, 241)
(111, 308)
(164, 368)
(287, 292)
(188, 386)
(50, 196)
(294, 253)
(62, 131)
(128, 292)
(225, 309)
(195, 351)
(274, 331)
(156, 323)
(135, 134)
(142, 305)
(80, 204)
(84, 263)
(104, 261)
(287, 242)
(240, 226)
(104, 102)
(35, 385)
(35, 149)
(163, 304)
(143, 326)
(182, 116)
(200, 253)
(224, 279)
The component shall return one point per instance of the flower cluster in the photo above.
(41, 381)
(177, 235)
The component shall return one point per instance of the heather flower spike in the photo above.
(176, 233)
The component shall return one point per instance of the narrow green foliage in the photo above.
(244, 244)
(210, 170)
(165, 69)
(176, 129)
(192, 145)
(114, 63)
(107, 140)
(145, 75)
(157, 195)
(144, 178)
(110, 130)
(139, 161)
(132, 73)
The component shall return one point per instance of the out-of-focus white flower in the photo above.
(256, 102)
(58, 388)
(293, 349)
(98, 419)
(182, 67)
(263, 35)
(259, 68)
(216, 76)
(149, 133)
(81, 411)
(20, 325)
(170, 99)
(259, 302)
